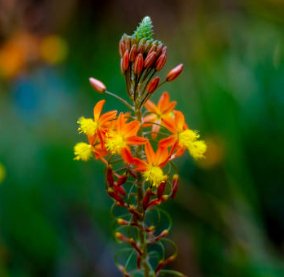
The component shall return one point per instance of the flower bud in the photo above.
(141, 46)
(150, 59)
(159, 48)
(97, 85)
(127, 42)
(152, 49)
(133, 53)
(175, 185)
(125, 61)
(109, 175)
(161, 189)
(174, 73)
(153, 84)
(122, 221)
(161, 61)
(139, 64)
(121, 180)
(121, 47)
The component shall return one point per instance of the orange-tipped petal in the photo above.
(136, 140)
(150, 154)
(98, 109)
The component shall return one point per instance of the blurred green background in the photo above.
(229, 213)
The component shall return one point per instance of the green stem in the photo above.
(140, 195)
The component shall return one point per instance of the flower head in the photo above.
(122, 134)
(158, 112)
(182, 137)
(152, 167)
(96, 126)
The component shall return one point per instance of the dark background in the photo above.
(228, 216)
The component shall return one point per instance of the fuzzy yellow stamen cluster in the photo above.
(114, 142)
(82, 151)
(87, 126)
(154, 175)
(189, 139)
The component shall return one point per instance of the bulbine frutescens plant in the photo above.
(138, 148)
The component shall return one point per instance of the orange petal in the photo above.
(127, 156)
(98, 109)
(134, 140)
(151, 107)
(150, 154)
(162, 156)
(108, 116)
(167, 142)
(164, 100)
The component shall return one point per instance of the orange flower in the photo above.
(182, 138)
(158, 112)
(96, 127)
(152, 168)
(122, 134)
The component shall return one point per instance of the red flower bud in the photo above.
(133, 53)
(161, 61)
(121, 180)
(120, 190)
(175, 185)
(161, 189)
(146, 198)
(139, 64)
(121, 47)
(174, 73)
(152, 49)
(153, 84)
(125, 61)
(109, 175)
(150, 59)
(141, 46)
(97, 85)
(159, 49)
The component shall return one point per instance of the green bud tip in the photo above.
(144, 29)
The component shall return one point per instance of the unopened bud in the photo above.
(159, 48)
(152, 49)
(150, 59)
(97, 85)
(121, 47)
(153, 84)
(127, 42)
(125, 61)
(174, 73)
(161, 61)
(139, 64)
(121, 180)
(122, 221)
(175, 185)
(161, 189)
(133, 53)
(141, 46)
(109, 175)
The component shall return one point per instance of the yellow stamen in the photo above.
(115, 142)
(189, 140)
(197, 149)
(82, 151)
(155, 175)
(87, 126)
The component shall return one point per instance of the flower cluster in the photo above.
(139, 147)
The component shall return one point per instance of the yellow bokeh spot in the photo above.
(82, 151)
(2, 173)
(154, 175)
(115, 142)
(53, 49)
(87, 126)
